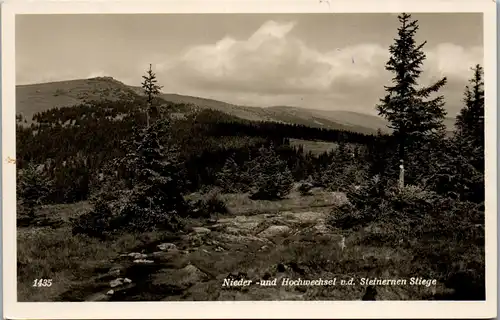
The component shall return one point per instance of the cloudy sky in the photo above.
(319, 61)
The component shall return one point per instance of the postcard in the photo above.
(249, 159)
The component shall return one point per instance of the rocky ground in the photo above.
(194, 264)
(287, 241)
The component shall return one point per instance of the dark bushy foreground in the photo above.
(445, 235)
(438, 216)
(144, 191)
(141, 191)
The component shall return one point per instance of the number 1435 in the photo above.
(42, 282)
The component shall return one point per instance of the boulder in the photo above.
(110, 275)
(321, 229)
(178, 279)
(116, 282)
(201, 230)
(143, 261)
(274, 231)
(167, 247)
(190, 275)
(137, 255)
(164, 256)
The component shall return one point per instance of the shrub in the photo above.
(455, 238)
(147, 194)
(272, 177)
(418, 211)
(346, 216)
(445, 235)
(351, 174)
(96, 223)
(209, 206)
(233, 178)
(452, 173)
(364, 205)
(344, 170)
(33, 188)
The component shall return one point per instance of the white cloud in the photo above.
(454, 61)
(271, 66)
(273, 61)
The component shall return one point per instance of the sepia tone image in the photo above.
(250, 157)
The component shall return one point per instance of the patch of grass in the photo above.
(445, 236)
(51, 215)
(65, 211)
(67, 259)
(207, 205)
(316, 147)
(241, 204)
(309, 262)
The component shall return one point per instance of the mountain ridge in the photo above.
(33, 98)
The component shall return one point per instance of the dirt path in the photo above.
(258, 240)
(294, 241)
(194, 266)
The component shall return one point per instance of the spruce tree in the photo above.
(469, 123)
(228, 178)
(143, 189)
(155, 199)
(272, 177)
(33, 187)
(151, 89)
(414, 117)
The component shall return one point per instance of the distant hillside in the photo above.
(39, 97)
(34, 98)
(311, 118)
(349, 119)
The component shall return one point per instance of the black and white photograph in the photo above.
(251, 156)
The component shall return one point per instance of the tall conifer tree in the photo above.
(413, 116)
(470, 121)
(151, 89)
